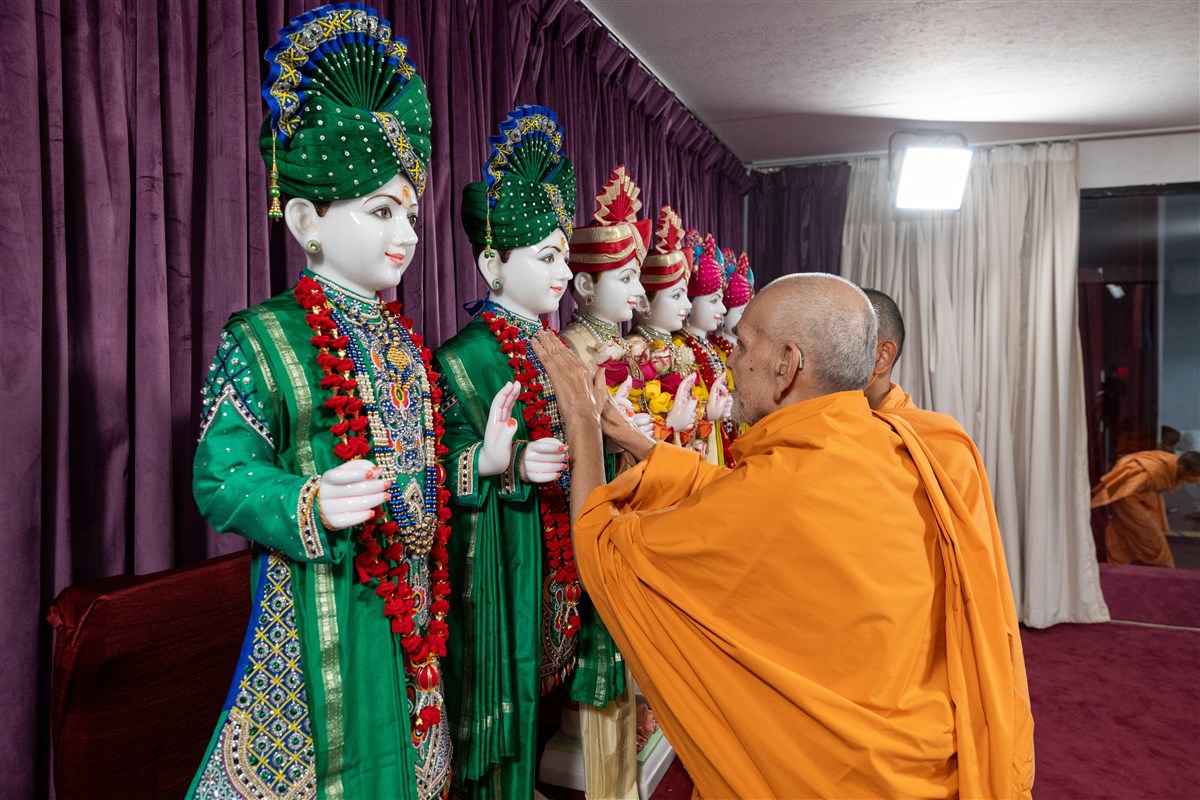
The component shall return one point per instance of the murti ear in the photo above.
(584, 286)
(302, 219)
(488, 263)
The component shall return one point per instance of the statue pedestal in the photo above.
(562, 760)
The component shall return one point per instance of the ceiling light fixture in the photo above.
(929, 168)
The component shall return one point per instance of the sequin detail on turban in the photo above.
(347, 108)
(618, 238)
(528, 186)
(670, 262)
(710, 270)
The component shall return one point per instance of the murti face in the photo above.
(732, 316)
(707, 313)
(749, 368)
(368, 242)
(617, 293)
(534, 279)
(669, 309)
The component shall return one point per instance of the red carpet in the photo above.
(1115, 711)
(1152, 594)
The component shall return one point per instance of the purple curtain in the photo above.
(795, 220)
(134, 210)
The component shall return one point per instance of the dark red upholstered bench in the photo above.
(141, 668)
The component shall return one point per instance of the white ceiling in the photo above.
(780, 80)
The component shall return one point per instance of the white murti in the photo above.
(612, 295)
(533, 280)
(706, 314)
(668, 310)
(363, 244)
(732, 317)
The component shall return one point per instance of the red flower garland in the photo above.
(721, 343)
(552, 500)
(376, 564)
(708, 374)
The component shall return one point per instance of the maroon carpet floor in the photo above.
(1152, 594)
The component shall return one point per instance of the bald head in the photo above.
(831, 321)
(891, 323)
(1189, 465)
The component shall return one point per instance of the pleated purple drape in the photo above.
(134, 214)
(795, 218)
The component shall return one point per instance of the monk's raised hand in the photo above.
(572, 378)
(682, 416)
(543, 460)
(720, 402)
(496, 449)
(349, 493)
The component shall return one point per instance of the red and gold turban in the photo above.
(618, 238)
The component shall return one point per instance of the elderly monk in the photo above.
(956, 453)
(822, 620)
(1137, 532)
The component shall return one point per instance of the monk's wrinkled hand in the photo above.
(573, 381)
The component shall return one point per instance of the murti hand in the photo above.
(641, 420)
(682, 416)
(497, 437)
(543, 460)
(349, 493)
(720, 402)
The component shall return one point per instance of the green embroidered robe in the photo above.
(498, 649)
(319, 706)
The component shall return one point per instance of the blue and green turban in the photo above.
(528, 186)
(347, 108)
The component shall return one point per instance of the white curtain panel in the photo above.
(988, 296)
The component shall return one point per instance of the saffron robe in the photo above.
(1134, 487)
(499, 651)
(956, 452)
(819, 621)
(319, 703)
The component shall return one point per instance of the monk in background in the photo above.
(824, 619)
(957, 454)
(1133, 487)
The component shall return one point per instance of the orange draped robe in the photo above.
(1133, 487)
(956, 452)
(823, 620)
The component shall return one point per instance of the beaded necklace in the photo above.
(403, 535)
(542, 420)
(707, 360)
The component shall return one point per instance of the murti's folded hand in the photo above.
(349, 493)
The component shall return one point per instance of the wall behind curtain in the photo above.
(795, 217)
(134, 212)
(989, 303)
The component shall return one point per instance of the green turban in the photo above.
(528, 188)
(347, 109)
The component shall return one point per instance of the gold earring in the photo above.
(312, 246)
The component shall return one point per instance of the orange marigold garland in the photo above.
(384, 565)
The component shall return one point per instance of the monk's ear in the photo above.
(885, 356)
(788, 370)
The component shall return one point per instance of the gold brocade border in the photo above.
(331, 676)
(663, 260)
(603, 234)
(601, 258)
